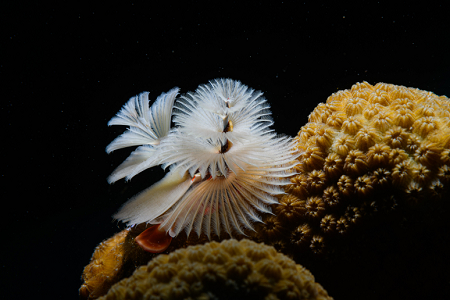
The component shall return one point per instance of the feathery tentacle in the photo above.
(226, 163)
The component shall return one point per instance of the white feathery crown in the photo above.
(226, 164)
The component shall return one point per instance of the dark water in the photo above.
(66, 70)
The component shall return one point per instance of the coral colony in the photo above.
(226, 164)
(364, 153)
(257, 271)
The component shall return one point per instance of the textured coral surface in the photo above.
(226, 270)
(367, 152)
(103, 269)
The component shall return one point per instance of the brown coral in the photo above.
(226, 270)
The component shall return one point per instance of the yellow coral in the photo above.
(366, 150)
(226, 270)
(103, 269)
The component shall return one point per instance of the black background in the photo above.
(67, 69)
